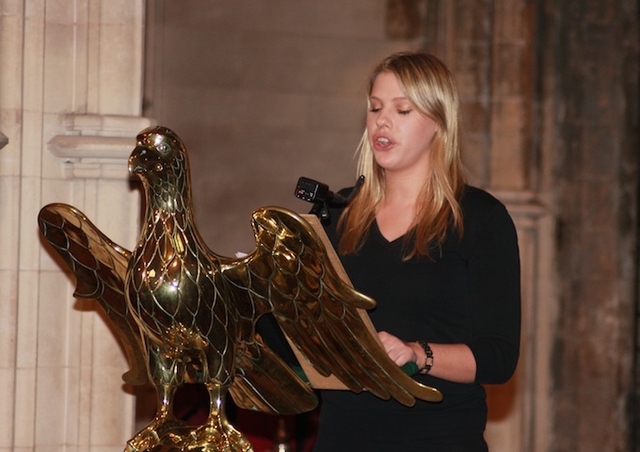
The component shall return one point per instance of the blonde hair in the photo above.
(430, 86)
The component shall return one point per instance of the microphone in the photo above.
(319, 194)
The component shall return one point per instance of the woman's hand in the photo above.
(453, 362)
(399, 351)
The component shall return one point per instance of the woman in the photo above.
(438, 256)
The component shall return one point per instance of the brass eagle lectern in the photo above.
(185, 314)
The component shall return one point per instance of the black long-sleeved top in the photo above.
(467, 292)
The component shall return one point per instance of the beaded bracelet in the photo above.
(428, 361)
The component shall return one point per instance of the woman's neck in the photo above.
(397, 211)
(402, 190)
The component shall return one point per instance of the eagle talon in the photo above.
(161, 435)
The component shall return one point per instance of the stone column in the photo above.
(591, 86)
(70, 106)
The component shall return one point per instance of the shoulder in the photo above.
(335, 211)
(346, 191)
(478, 203)
(480, 208)
(478, 199)
(489, 233)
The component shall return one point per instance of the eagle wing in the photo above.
(99, 266)
(291, 275)
(264, 382)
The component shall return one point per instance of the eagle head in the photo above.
(159, 153)
(160, 161)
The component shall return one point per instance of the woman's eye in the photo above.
(404, 112)
(374, 109)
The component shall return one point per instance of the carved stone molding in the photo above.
(521, 202)
(97, 146)
(3, 140)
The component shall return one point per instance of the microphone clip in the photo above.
(322, 198)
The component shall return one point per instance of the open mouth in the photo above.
(382, 142)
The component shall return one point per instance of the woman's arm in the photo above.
(453, 362)
(493, 276)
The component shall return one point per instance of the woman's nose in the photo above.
(382, 119)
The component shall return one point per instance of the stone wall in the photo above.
(262, 93)
(70, 104)
(591, 116)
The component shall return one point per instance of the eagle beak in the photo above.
(136, 160)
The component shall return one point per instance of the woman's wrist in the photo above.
(427, 363)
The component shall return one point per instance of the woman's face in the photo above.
(399, 134)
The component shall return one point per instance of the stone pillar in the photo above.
(591, 87)
(70, 105)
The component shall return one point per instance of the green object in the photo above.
(298, 370)
(410, 368)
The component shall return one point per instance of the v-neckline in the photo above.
(382, 236)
